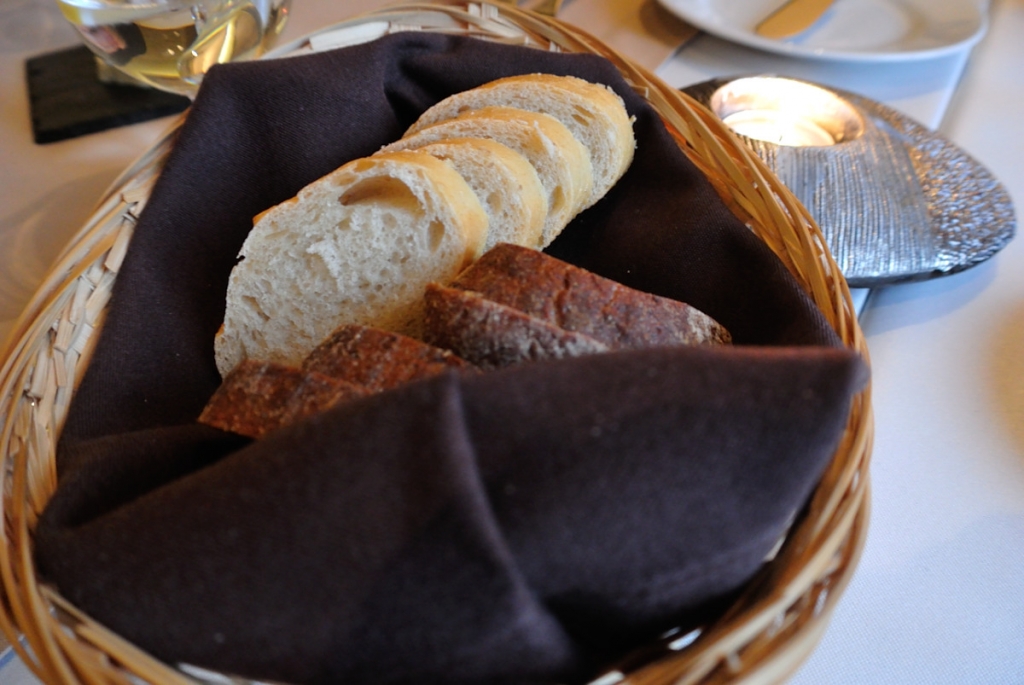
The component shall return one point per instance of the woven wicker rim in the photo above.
(762, 638)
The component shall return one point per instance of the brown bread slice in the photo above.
(317, 393)
(492, 335)
(377, 359)
(257, 396)
(577, 300)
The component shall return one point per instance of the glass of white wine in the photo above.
(170, 44)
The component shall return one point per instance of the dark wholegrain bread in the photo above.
(354, 361)
(257, 396)
(317, 393)
(492, 335)
(578, 300)
(377, 359)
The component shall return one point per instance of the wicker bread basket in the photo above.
(762, 638)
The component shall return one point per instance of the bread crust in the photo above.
(257, 397)
(316, 394)
(492, 335)
(578, 300)
(379, 360)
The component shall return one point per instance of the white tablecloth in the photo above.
(939, 594)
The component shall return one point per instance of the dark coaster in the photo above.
(68, 100)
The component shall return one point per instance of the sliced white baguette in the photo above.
(506, 184)
(358, 246)
(561, 161)
(594, 114)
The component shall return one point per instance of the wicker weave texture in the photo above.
(762, 638)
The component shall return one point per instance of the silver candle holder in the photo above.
(895, 201)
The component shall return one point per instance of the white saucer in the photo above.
(850, 30)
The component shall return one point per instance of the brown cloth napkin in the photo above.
(526, 525)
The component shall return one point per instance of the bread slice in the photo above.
(594, 113)
(492, 335)
(379, 360)
(356, 246)
(316, 394)
(561, 161)
(506, 184)
(578, 300)
(257, 397)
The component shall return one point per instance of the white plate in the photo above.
(850, 30)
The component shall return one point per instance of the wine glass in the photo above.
(170, 44)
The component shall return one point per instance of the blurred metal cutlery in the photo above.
(792, 18)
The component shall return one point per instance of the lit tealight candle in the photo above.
(779, 127)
